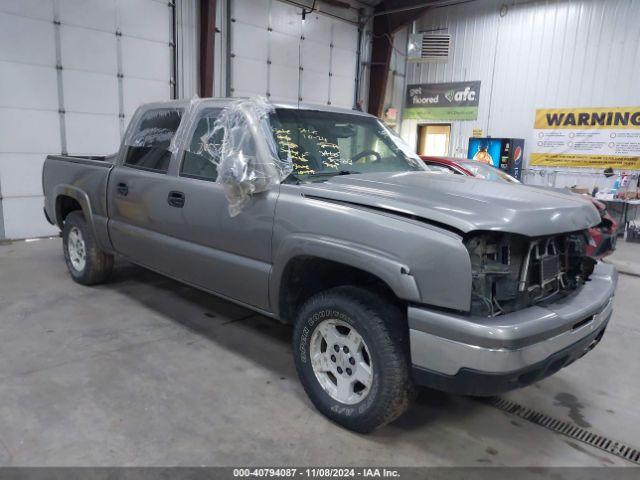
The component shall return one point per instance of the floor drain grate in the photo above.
(567, 428)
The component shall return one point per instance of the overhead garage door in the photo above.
(73, 75)
(275, 54)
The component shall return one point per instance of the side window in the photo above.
(199, 160)
(149, 145)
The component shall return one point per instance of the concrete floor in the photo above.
(146, 371)
(626, 257)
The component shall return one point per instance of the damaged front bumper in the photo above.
(486, 356)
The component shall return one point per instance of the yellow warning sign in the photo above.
(614, 118)
(585, 161)
(587, 137)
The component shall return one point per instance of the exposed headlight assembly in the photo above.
(511, 272)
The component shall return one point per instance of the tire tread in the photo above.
(387, 321)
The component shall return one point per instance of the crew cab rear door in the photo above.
(140, 186)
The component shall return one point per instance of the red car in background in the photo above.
(603, 236)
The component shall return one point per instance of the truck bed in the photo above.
(83, 178)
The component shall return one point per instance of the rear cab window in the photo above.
(148, 145)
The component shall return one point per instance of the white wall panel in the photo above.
(136, 92)
(145, 59)
(38, 9)
(89, 50)
(566, 53)
(250, 42)
(249, 77)
(38, 50)
(23, 218)
(29, 131)
(91, 134)
(344, 62)
(95, 14)
(284, 83)
(21, 174)
(315, 56)
(269, 44)
(317, 27)
(345, 36)
(342, 91)
(285, 49)
(145, 19)
(315, 87)
(87, 92)
(285, 18)
(251, 12)
(28, 86)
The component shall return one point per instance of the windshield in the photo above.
(322, 144)
(488, 172)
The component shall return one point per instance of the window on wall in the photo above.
(149, 144)
(199, 159)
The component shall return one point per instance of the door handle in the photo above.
(123, 189)
(176, 199)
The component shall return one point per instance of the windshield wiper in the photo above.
(333, 174)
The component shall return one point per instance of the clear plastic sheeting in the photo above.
(247, 158)
(402, 146)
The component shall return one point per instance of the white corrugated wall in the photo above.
(535, 54)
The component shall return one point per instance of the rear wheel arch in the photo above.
(65, 204)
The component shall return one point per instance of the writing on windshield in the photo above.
(322, 143)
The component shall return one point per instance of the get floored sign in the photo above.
(443, 101)
(587, 137)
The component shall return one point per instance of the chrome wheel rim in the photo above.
(76, 249)
(341, 361)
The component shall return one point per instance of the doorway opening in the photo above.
(433, 139)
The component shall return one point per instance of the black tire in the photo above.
(381, 325)
(98, 264)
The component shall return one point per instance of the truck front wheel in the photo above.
(351, 351)
(86, 263)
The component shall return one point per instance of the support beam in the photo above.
(384, 26)
(207, 40)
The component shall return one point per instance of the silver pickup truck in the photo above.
(391, 274)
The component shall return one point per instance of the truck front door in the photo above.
(227, 255)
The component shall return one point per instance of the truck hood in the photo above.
(462, 203)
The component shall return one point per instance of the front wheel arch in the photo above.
(305, 275)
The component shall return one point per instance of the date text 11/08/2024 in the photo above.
(317, 472)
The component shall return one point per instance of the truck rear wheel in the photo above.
(86, 263)
(351, 351)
